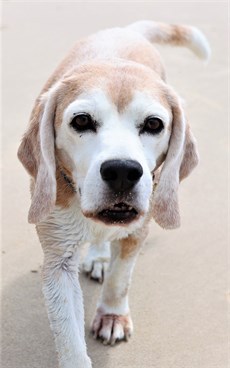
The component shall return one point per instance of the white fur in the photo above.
(96, 260)
(114, 298)
(199, 44)
(61, 287)
(88, 151)
(117, 280)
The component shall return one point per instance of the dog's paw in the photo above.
(95, 270)
(111, 328)
(96, 261)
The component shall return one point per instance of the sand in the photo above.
(178, 296)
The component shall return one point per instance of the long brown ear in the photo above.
(36, 153)
(181, 158)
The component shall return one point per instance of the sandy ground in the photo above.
(178, 296)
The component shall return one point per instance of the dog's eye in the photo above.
(152, 125)
(83, 122)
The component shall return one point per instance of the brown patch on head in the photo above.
(119, 90)
(83, 79)
(118, 81)
(126, 79)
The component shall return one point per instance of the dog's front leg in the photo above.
(113, 321)
(64, 303)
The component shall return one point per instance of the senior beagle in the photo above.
(105, 123)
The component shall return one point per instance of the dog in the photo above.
(106, 148)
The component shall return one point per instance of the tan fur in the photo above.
(28, 152)
(191, 156)
(65, 190)
(146, 55)
(118, 82)
(128, 245)
(125, 80)
(181, 158)
(37, 155)
(160, 160)
(173, 34)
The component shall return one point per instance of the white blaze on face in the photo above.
(117, 137)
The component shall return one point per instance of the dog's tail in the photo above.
(178, 35)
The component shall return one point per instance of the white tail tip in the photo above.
(199, 44)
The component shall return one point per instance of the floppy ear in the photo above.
(182, 157)
(36, 153)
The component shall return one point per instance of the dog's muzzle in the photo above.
(120, 176)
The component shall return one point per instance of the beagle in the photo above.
(106, 148)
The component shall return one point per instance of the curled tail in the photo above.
(178, 35)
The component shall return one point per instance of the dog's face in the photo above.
(113, 133)
(112, 126)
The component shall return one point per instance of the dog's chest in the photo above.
(70, 228)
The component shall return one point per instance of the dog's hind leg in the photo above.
(96, 261)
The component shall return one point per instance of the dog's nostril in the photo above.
(121, 175)
(108, 174)
(135, 174)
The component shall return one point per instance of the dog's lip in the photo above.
(116, 214)
(119, 207)
(119, 213)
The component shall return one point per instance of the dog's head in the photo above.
(111, 127)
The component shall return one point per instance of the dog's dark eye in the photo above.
(152, 125)
(83, 122)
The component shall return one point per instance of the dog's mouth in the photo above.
(120, 213)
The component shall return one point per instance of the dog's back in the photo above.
(134, 43)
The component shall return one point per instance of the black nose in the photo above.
(121, 175)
